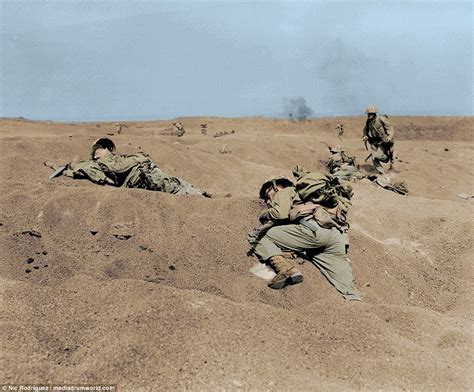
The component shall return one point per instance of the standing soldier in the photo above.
(379, 133)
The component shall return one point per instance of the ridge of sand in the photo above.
(153, 291)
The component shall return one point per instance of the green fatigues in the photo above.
(90, 170)
(342, 166)
(132, 171)
(325, 247)
(380, 134)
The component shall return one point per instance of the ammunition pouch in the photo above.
(325, 218)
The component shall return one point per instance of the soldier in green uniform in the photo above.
(324, 247)
(129, 171)
(380, 134)
(342, 165)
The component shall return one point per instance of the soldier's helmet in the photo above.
(371, 109)
(103, 143)
(273, 182)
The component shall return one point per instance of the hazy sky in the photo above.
(111, 60)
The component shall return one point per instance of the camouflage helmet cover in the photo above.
(103, 143)
(371, 109)
(273, 182)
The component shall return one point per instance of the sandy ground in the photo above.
(152, 291)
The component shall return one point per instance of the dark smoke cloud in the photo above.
(297, 109)
(346, 77)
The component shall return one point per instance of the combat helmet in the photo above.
(273, 182)
(103, 143)
(372, 109)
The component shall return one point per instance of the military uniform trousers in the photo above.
(158, 180)
(380, 153)
(324, 247)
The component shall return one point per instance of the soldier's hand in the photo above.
(365, 138)
(253, 236)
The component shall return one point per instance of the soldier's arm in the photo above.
(365, 132)
(117, 163)
(281, 206)
(389, 131)
(92, 171)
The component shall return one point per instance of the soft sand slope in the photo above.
(174, 306)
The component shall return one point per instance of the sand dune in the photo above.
(152, 291)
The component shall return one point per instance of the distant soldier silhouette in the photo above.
(179, 128)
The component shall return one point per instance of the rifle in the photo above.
(58, 171)
(327, 145)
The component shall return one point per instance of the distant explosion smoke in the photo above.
(297, 109)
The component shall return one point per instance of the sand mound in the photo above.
(151, 291)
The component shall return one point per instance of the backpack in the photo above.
(326, 218)
(325, 198)
(325, 190)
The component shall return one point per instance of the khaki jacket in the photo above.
(379, 130)
(124, 169)
(113, 169)
(281, 206)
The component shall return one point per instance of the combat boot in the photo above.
(286, 273)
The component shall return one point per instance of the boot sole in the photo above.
(279, 285)
(294, 279)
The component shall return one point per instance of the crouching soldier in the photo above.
(305, 236)
(129, 171)
(342, 165)
(380, 134)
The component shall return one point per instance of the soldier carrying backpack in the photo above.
(308, 218)
(379, 133)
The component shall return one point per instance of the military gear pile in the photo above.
(323, 189)
(342, 165)
(398, 187)
(326, 218)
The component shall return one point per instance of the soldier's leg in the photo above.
(294, 238)
(379, 155)
(333, 263)
(269, 249)
(170, 184)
